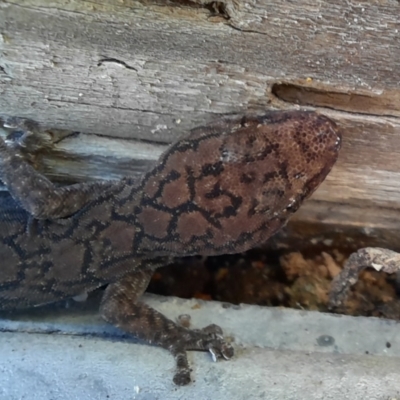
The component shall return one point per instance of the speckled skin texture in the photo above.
(225, 188)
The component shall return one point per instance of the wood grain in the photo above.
(134, 75)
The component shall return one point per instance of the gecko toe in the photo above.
(182, 377)
(24, 124)
(221, 350)
(212, 329)
(210, 339)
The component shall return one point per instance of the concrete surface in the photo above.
(69, 353)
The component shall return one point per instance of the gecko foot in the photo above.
(121, 308)
(23, 124)
(207, 339)
(23, 130)
(26, 136)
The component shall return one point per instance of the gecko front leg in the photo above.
(36, 194)
(120, 307)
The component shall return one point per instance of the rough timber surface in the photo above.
(148, 71)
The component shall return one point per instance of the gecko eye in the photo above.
(298, 175)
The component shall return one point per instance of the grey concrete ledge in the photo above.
(70, 353)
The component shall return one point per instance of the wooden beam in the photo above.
(135, 73)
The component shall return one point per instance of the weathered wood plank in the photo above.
(151, 70)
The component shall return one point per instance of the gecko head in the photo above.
(274, 162)
(269, 165)
(230, 186)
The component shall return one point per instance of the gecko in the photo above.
(224, 188)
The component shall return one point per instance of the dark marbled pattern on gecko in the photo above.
(225, 188)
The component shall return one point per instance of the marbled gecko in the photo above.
(225, 188)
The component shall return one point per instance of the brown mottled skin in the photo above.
(225, 188)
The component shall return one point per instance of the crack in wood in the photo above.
(4, 72)
(385, 104)
(217, 8)
(116, 61)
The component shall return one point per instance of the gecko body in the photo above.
(225, 188)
